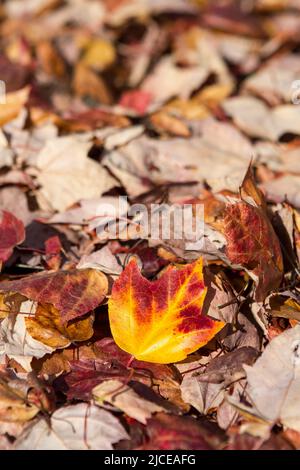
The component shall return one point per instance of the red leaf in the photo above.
(86, 374)
(137, 100)
(252, 243)
(161, 321)
(169, 432)
(110, 351)
(53, 252)
(12, 233)
(74, 293)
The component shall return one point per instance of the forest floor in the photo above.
(150, 224)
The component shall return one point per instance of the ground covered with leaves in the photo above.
(113, 336)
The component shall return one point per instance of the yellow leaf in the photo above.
(161, 321)
(87, 83)
(13, 105)
(99, 55)
(46, 326)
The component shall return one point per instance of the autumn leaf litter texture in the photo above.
(117, 336)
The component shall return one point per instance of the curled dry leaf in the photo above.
(46, 327)
(274, 381)
(229, 367)
(22, 398)
(203, 396)
(14, 404)
(161, 321)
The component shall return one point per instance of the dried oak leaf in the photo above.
(73, 293)
(12, 233)
(161, 321)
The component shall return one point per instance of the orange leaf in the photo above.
(161, 321)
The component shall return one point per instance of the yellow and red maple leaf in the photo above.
(161, 321)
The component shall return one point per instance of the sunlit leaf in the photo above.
(161, 321)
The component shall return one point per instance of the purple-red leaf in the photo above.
(12, 233)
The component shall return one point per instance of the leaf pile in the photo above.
(113, 336)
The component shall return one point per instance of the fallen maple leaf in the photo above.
(110, 363)
(274, 381)
(12, 233)
(74, 293)
(161, 321)
(252, 243)
(86, 374)
(169, 432)
(76, 427)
